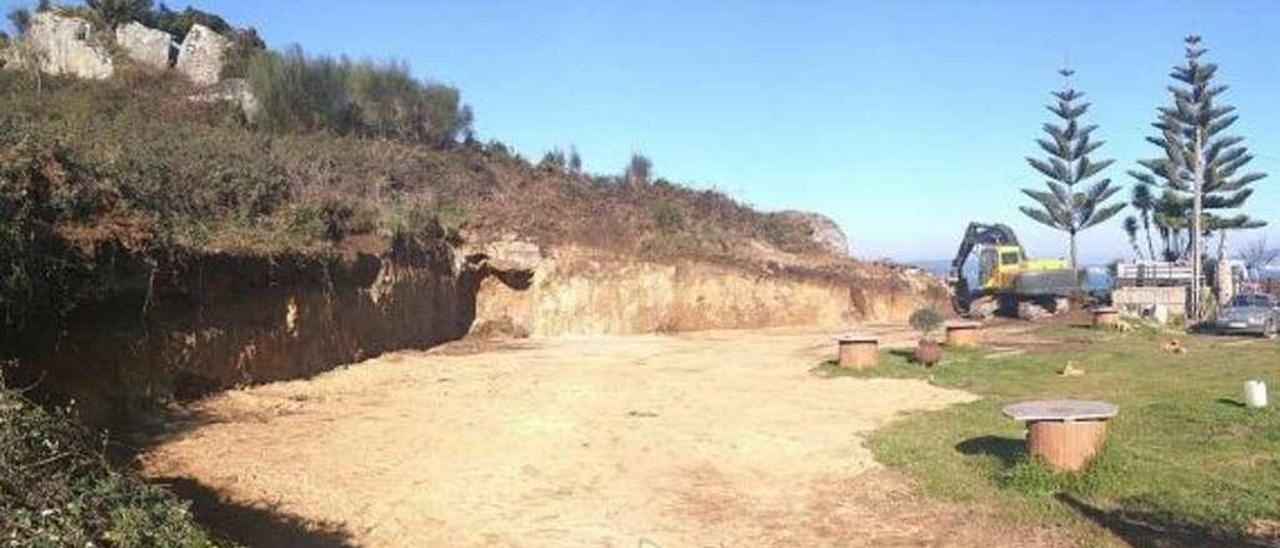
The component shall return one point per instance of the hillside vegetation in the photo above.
(194, 174)
(132, 161)
(57, 489)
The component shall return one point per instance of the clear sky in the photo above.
(902, 120)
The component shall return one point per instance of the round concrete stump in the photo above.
(858, 351)
(1066, 434)
(1066, 446)
(963, 333)
(1106, 317)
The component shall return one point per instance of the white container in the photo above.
(1255, 394)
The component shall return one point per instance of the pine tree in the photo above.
(1068, 167)
(1200, 163)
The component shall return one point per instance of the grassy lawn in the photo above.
(1185, 463)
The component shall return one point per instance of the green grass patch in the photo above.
(1184, 453)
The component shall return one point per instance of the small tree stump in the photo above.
(1066, 434)
(858, 351)
(1106, 317)
(962, 333)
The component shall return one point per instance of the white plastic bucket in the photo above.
(1255, 394)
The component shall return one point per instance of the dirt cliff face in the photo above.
(581, 291)
(187, 325)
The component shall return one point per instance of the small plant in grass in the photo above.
(926, 321)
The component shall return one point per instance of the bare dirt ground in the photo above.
(710, 439)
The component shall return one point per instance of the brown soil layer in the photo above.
(709, 439)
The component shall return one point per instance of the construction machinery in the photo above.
(1008, 282)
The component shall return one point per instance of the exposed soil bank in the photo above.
(579, 291)
(188, 324)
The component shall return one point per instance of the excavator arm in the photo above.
(977, 234)
(980, 234)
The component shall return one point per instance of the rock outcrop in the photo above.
(233, 90)
(202, 55)
(825, 232)
(9, 57)
(146, 46)
(61, 45)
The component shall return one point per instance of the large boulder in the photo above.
(146, 46)
(9, 57)
(825, 232)
(62, 45)
(232, 90)
(202, 55)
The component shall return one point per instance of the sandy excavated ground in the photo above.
(710, 439)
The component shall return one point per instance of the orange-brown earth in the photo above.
(708, 439)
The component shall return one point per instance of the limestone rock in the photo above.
(233, 90)
(62, 45)
(9, 57)
(147, 46)
(826, 232)
(202, 55)
(513, 255)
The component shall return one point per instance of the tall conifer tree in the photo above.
(1200, 163)
(1071, 204)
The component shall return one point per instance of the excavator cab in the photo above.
(998, 264)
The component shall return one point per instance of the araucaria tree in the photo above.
(1071, 203)
(1200, 164)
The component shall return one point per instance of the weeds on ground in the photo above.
(57, 488)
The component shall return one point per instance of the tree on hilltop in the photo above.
(20, 18)
(639, 170)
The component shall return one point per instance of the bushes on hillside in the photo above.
(119, 12)
(177, 23)
(39, 189)
(20, 18)
(57, 488)
(298, 93)
(152, 166)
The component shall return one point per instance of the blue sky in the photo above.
(901, 120)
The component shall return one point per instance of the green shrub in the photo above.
(114, 13)
(925, 320)
(298, 93)
(58, 489)
(331, 220)
(668, 216)
(20, 18)
(178, 23)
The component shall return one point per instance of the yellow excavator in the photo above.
(1008, 282)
